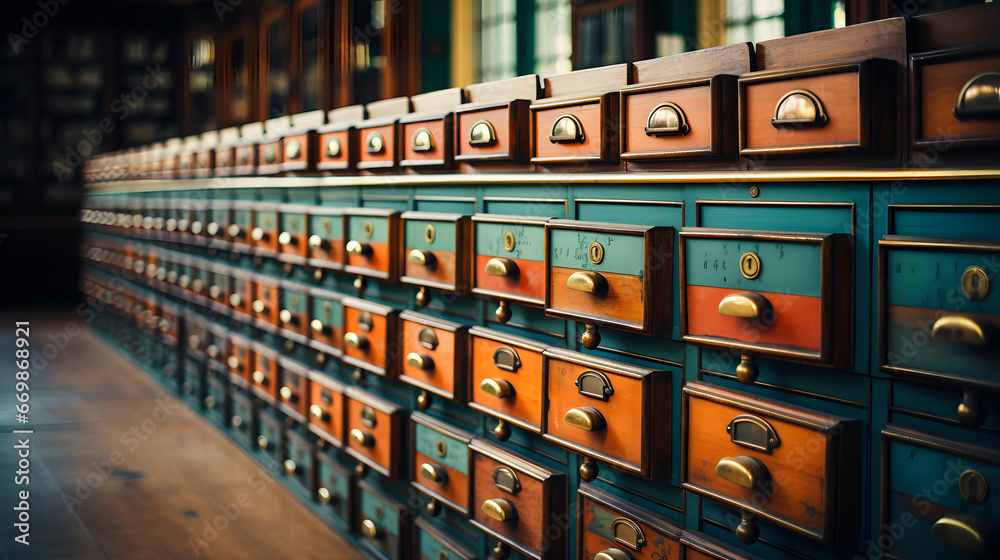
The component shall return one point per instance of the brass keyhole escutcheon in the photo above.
(508, 241)
(429, 233)
(596, 252)
(442, 448)
(972, 484)
(975, 283)
(369, 228)
(750, 265)
(379, 512)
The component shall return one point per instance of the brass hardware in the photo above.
(585, 418)
(324, 494)
(591, 338)
(975, 283)
(319, 327)
(442, 554)
(286, 316)
(503, 312)
(420, 361)
(212, 228)
(289, 466)
(588, 469)
(500, 552)
(628, 533)
(293, 149)
(365, 321)
(358, 375)
(423, 297)
(209, 402)
(317, 411)
(498, 388)
(961, 330)
(196, 227)
(360, 283)
(289, 346)
(799, 108)
(333, 147)
(317, 242)
(744, 471)
(236, 421)
(962, 530)
(422, 141)
(434, 473)
(424, 400)
(748, 305)
(262, 441)
(502, 431)
(368, 417)
(421, 258)
(360, 469)
(596, 252)
(355, 340)
(667, 119)
(482, 134)
(979, 97)
(747, 532)
(258, 234)
(441, 447)
(506, 358)
(753, 432)
(286, 393)
(500, 509)
(973, 486)
(370, 529)
(285, 238)
(358, 248)
(971, 411)
(506, 479)
(587, 281)
(184, 281)
(499, 266)
(369, 228)
(594, 384)
(214, 292)
(750, 265)
(434, 510)
(746, 370)
(185, 387)
(754, 191)
(567, 129)
(234, 230)
(427, 338)
(234, 362)
(269, 155)
(258, 306)
(509, 241)
(362, 438)
(613, 554)
(259, 377)
(375, 144)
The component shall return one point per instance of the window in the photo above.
(201, 83)
(754, 20)
(312, 46)
(605, 33)
(498, 25)
(553, 37)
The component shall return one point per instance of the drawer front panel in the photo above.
(441, 152)
(326, 409)
(241, 360)
(372, 334)
(525, 280)
(239, 231)
(294, 391)
(333, 487)
(448, 458)
(386, 157)
(326, 324)
(242, 418)
(326, 238)
(500, 121)
(940, 84)
(293, 312)
(374, 435)
(265, 374)
(269, 435)
(374, 235)
(294, 224)
(523, 406)
(387, 522)
(430, 443)
(435, 362)
(432, 544)
(606, 522)
(265, 231)
(439, 245)
(297, 152)
(266, 303)
(695, 103)
(335, 150)
(590, 145)
(299, 458)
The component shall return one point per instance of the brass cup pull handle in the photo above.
(258, 234)
(363, 439)
(587, 281)
(585, 418)
(287, 317)
(235, 300)
(422, 141)
(434, 473)
(499, 266)
(375, 143)
(613, 554)
(286, 238)
(744, 471)
(482, 134)
(500, 509)
(420, 361)
(358, 248)
(318, 412)
(961, 330)
(319, 327)
(979, 97)
(962, 530)
(747, 305)
(259, 306)
(499, 388)
(421, 258)
(799, 108)
(567, 130)
(356, 340)
(667, 119)
(370, 529)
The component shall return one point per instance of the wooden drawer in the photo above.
(264, 375)
(435, 250)
(939, 320)
(293, 310)
(693, 118)
(270, 433)
(376, 432)
(604, 274)
(610, 411)
(293, 388)
(299, 152)
(432, 543)
(294, 236)
(267, 300)
(818, 110)
(327, 316)
(441, 467)
(578, 131)
(788, 465)
(326, 238)
(606, 523)
(518, 501)
(384, 524)
(224, 160)
(434, 354)
(246, 160)
(955, 98)
(335, 489)
(338, 150)
(373, 239)
(298, 462)
(240, 359)
(783, 295)
(241, 225)
(264, 233)
(378, 148)
(939, 497)
(493, 133)
(326, 408)
(508, 379)
(698, 546)
(370, 336)
(428, 143)
(216, 401)
(217, 220)
(243, 417)
(269, 157)
(509, 260)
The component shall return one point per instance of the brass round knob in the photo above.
(209, 402)
(286, 238)
(423, 400)
(747, 370)
(259, 378)
(286, 393)
(286, 316)
(289, 466)
(258, 234)
(503, 312)
(259, 306)
(589, 469)
(591, 339)
(324, 494)
(236, 421)
(317, 242)
(502, 431)
(212, 228)
(423, 297)
(262, 441)
(434, 508)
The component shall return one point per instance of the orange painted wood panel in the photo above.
(245, 358)
(940, 85)
(388, 156)
(443, 271)
(443, 374)
(529, 281)
(377, 261)
(695, 102)
(499, 118)
(455, 488)
(382, 434)
(269, 295)
(590, 117)
(377, 337)
(526, 403)
(437, 130)
(839, 95)
(344, 138)
(529, 529)
(332, 421)
(797, 319)
(623, 300)
(269, 368)
(304, 147)
(299, 399)
(597, 516)
(335, 338)
(298, 324)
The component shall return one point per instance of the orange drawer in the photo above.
(293, 308)
(326, 318)
(378, 148)
(293, 388)
(376, 432)
(225, 159)
(435, 251)
(606, 523)
(299, 152)
(266, 304)
(427, 142)
(242, 291)
(509, 253)
(269, 157)
(955, 98)
(246, 160)
(326, 408)
(264, 374)
(373, 242)
(264, 233)
(508, 377)
(583, 130)
(496, 132)
(434, 354)
(293, 223)
(441, 468)
(337, 150)
(326, 238)
(517, 501)
(370, 336)
(788, 465)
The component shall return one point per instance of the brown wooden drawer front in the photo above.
(265, 373)
(844, 119)
(685, 119)
(246, 160)
(264, 233)
(509, 258)
(792, 466)
(293, 390)
(532, 497)
(493, 134)
(614, 412)
(606, 522)
(326, 409)
(433, 355)
(441, 466)
(515, 366)
(376, 432)
(698, 546)
(595, 138)
(240, 360)
(326, 238)
(435, 250)
(372, 242)
(370, 340)
(337, 150)
(377, 146)
(266, 304)
(417, 151)
(224, 159)
(269, 157)
(298, 152)
(939, 113)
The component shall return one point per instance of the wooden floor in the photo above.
(176, 488)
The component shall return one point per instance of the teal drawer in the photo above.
(326, 238)
(269, 437)
(441, 467)
(434, 544)
(326, 318)
(298, 461)
(293, 230)
(334, 487)
(293, 308)
(435, 250)
(372, 239)
(384, 524)
(508, 260)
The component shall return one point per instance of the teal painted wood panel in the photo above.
(356, 229)
(389, 520)
(623, 253)
(794, 218)
(444, 235)
(530, 207)
(293, 222)
(529, 241)
(954, 223)
(788, 268)
(933, 279)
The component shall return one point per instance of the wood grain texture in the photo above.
(592, 81)
(396, 106)
(378, 350)
(879, 39)
(623, 301)
(797, 320)
(528, 283)
(441, 130)
(940, 86)
(454, 489)
(508, 122)
(734, 60)
(594, 533)
(695, 102)
(522, 87)
(386, 455)
(526, 405)
(970, 24)
(332, 421)
(594, 128)
(448, 369)
(441, 100)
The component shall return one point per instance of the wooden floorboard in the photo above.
(162, 498)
